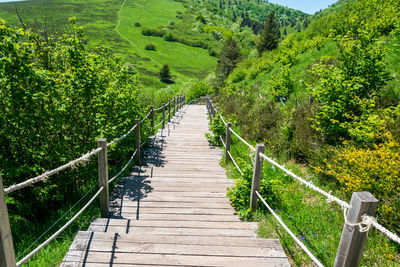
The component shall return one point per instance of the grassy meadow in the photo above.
(111, 24)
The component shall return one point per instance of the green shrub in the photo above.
(137, 24)
(197, 90)
(153, 32)
(150, 47)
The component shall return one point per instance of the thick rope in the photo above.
(308, 184)
(222, 140)
(157, 109)
(148, 114)
(122, 137)
(36, 250)
(241, 139)
(234, 162)
(54, 224)
(306, 250)
(222, 119)
(82, 160)
(124, 168)
(155, 126)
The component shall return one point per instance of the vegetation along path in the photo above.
(173, 210)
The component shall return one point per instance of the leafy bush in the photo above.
(169, 37)
(217, 128)
(56, 99)
(137, 24)
(239, 194)
(370, 169)
(197, 90)
(150, 47)
(153, 32)
(347, 90)
(281, 85)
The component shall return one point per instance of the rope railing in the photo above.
(124, 168)
(122, 137)
(83, 159)
(38, 248)
(306, 250)
(241, 139)
(148, 114)
(234, 163)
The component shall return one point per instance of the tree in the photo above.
(227, 60)
(165, 75)
(269, 35)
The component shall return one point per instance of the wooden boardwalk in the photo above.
(174, 212)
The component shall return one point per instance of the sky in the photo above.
(308, 6)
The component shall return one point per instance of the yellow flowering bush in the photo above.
(375, 169)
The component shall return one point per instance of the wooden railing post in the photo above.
(152, 119)
(163, 116)
(7, 255)
(228, 141)
(255, 184)
(103, 177)
(174, 107)
(352, 241)
(137, 141)
(169, 110)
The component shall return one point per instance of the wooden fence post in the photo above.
(152, 119)
(228, 141)
(7, 256)
(163, 116)
(169, 110)
(137, 141)
(352, 241)
(173, 107)
(103, 178)
(255, 184)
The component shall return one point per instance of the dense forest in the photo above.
(321, 91)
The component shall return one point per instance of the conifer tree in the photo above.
(269, 35)
(165, 75)
(227, 60)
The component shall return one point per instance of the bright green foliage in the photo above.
(269, 35)
(197, 90)
(239, 194)
(281, 85)
(348, 87)
(218, 128)
(56, 99)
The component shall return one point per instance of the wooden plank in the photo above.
(174, 224)
(175, 260)
(182, 217)
(187, 194)
(167, 204)
(167, 239)
(175, 231)
(193, 211)
(155, 197)
(185, 249)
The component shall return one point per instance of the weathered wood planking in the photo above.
(173, 211)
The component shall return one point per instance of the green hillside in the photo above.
(112, 24)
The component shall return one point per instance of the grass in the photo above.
(184, 60)
(111, 24)
(315, 222)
